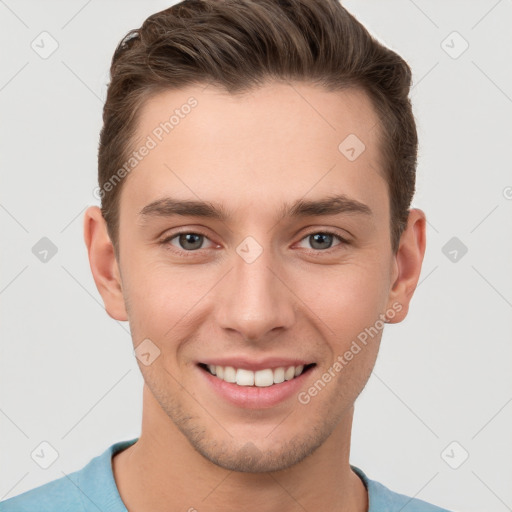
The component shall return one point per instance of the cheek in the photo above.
(162, 297)
(347, 298)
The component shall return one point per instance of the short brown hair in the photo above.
(240, 44)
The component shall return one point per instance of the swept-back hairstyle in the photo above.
(241, 44)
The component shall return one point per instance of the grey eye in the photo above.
(321, 240)
(190, 241)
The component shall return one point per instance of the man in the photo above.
(277, 139)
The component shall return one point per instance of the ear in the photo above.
(103, 263)
(407, 265)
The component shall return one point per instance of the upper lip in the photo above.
(254, 364)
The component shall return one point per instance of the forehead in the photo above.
(270, 145)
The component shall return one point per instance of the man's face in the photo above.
(257, 290)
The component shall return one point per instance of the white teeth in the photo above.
(244, 377)
(289, 373)
(259, 378)
(229, 374)
(278, 375)
(264, 378)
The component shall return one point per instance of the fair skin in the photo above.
(304, 299)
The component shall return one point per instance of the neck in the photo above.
(163, 472)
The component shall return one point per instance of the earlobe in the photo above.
(408, 261)
(103, 263)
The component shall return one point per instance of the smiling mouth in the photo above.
(260, 378)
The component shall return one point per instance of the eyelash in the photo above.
(187, 254)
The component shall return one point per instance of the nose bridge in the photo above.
(255, 300)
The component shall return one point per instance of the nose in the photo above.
(256, 301)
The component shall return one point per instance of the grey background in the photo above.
(68, 374)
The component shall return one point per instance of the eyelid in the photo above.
(344, 234)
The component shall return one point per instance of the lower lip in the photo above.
(253, 397)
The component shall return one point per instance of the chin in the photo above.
(248, 458)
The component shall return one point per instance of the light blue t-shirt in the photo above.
(93, 489)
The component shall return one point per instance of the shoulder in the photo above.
(91, 488)
(382, 499)
(58, 495)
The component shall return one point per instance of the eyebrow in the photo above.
(331, 205)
